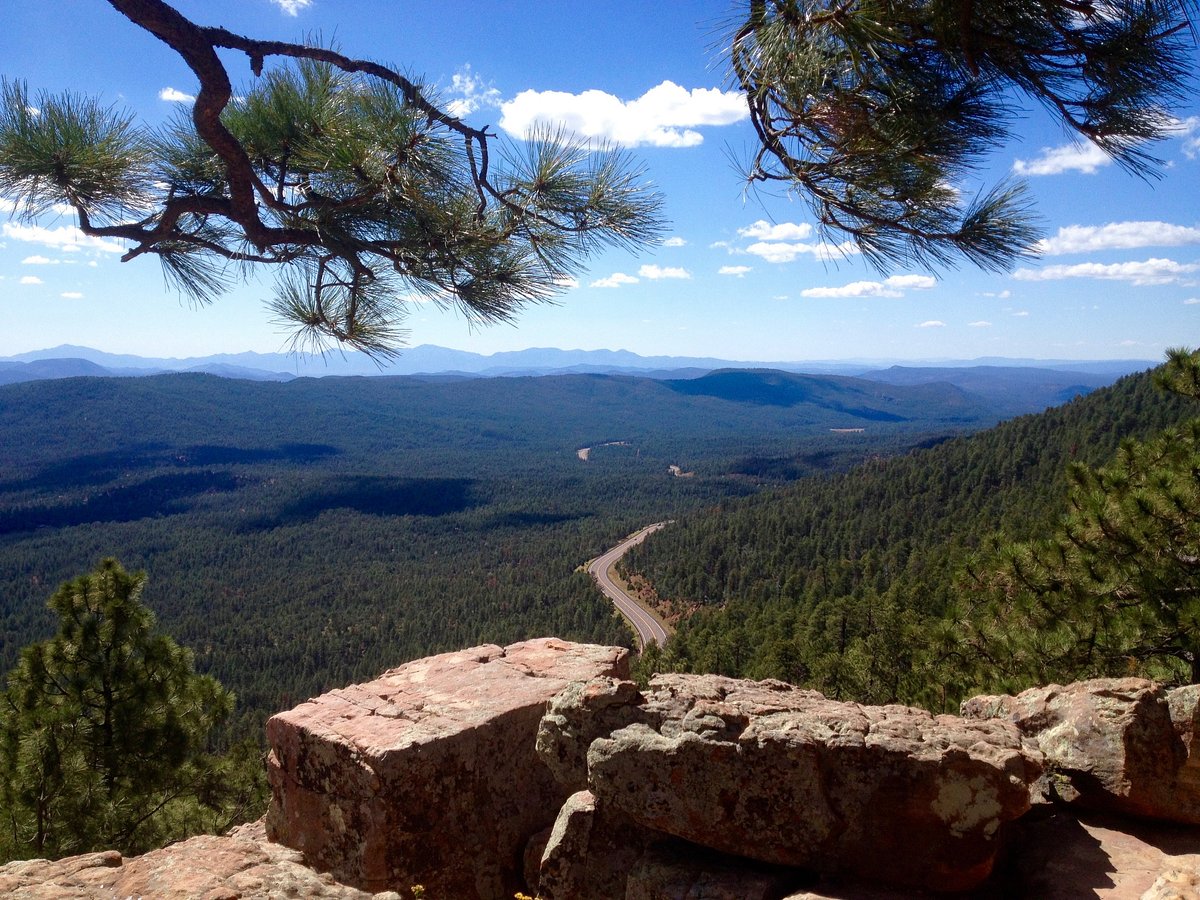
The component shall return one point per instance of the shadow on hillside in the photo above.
(162, 495)
(379, 496)
(101, 468)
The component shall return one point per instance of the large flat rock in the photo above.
(428, 774)
(786, 777)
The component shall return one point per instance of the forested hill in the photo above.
(307, 534)
(836, 582)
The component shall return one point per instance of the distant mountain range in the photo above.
(69, 361)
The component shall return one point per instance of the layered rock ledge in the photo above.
(785, 777)
(538, 767)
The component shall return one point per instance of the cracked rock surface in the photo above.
(787, 777)
(428, 774)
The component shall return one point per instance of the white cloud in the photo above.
(932, 323)
(737, 271)
(1189, 130)
(71, 295)
(980, 324)
(470, 94)
(566, 282)
(616, 279)
(655, 273)
(912, 282)
(1191, 301)
(782, 242)
(782, 252)
(784, 231)
(173, 96)
(1148, 272)
(67, 238)
(895, 286)
(1085, 158)
(30, 279)
(39, 261)
(854, 289)
(1118, 236)
(292, 7)
(674, 242)
(1021, 314)
(665, 116)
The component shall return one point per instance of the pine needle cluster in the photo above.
(341, 173)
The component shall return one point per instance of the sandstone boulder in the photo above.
(589, 853)
(242, 865)
(1121, 744)
(784, 776)
(429, 774)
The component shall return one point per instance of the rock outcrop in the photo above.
(1123, 745)
(428, 774)
(538, 767)
(785, 777)
(239, 866)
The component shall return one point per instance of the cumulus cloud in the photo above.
(30, 279)
(615, 280)
(674, 242)
(293, 7)
(932, 323)
(1118, 236)
(1085, 158)
(736, 271)
(1147, 272)
(71, 295)
(67, 238)
(891, 287)
(1191, 301)
(980, 324)
(782, 242)
(665, 116)
(1189, 131)
(655, 273)
(912, 282)
(39, 261)
(783, 231)
(470, 94)
(173, 96)
(784, 252)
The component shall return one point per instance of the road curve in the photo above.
(647, 627)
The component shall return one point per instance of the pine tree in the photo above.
(878, 111)
(339, 173)
(103, 729)
(1116, 589)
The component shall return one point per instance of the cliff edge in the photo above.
(540, 768)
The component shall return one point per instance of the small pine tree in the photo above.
(103, 729)
(1115, 590)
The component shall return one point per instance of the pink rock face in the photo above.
(427, 775)
(1123, 745)
(784, 776)
(241, 865)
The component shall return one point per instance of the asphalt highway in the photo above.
(647, 627)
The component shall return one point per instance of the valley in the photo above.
(303, 534)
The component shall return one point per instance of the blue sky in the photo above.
(742, 276)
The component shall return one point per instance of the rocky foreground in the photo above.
(539, 768)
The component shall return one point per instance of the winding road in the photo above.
(648, 628)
